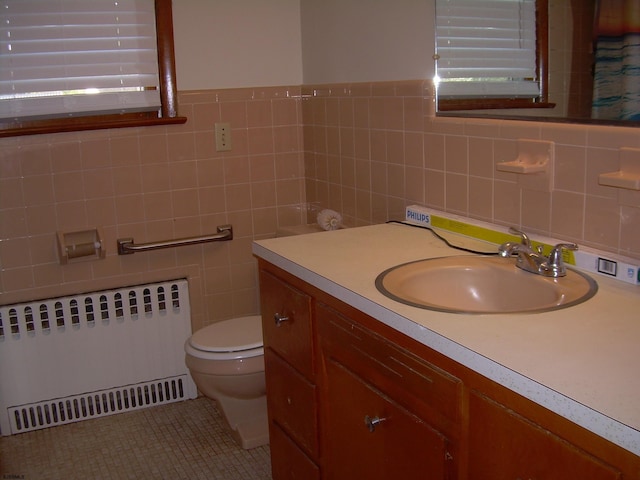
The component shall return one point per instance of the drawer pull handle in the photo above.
(371, 422)
(278, 318)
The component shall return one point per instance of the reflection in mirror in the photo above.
(616, 79)
(489, 54)
(593, 73)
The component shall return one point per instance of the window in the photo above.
(67, 65)
(491, 54)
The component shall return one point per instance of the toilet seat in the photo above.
(230, 339)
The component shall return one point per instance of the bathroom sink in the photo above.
(482, 284)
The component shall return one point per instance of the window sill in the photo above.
(83, 123)
(490, 104)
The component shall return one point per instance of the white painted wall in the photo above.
(237, 43)
(244, 43)
(367, 40)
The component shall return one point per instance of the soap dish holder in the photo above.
(533, 165)
(534, 156)
(526, 165)
(628, 177)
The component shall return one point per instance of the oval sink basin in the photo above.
(482, 284)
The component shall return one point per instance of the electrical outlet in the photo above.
(223, 137)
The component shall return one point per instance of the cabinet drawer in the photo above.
(505, 445)
(286, 322)
(392, 365)
(290, 463)
(291, 401)
(374, 438)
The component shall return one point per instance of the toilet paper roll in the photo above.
(81, 250)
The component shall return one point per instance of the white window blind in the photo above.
(486, 48)
(62, 58)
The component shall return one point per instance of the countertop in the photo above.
(580, 362)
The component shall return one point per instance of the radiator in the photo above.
(73, 358)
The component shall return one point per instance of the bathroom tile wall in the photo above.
(155, 183)
(372, 149)
(366, 150)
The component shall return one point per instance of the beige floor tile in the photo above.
(184, 440)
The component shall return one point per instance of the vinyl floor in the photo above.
(184, 440)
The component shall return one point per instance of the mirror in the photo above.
(571, 67)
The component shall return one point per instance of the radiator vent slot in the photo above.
(73, 358)
(96, 404)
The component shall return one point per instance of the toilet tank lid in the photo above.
(234, 335)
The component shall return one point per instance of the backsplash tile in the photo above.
(459, 158)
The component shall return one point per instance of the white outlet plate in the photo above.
(223, 137)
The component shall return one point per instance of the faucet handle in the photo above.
(555, 257)
(524, 238)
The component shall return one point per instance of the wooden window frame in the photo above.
(168, 95)
(542, 72)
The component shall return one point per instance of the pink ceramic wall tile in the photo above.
(481, 198)
(603, 225)
(630, 231)
(259, 113)
(481, 157)
(570, 168)
(567, 215)
(536, 212)
(365, 149)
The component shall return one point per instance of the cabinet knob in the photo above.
(371, 422)
(279, 318)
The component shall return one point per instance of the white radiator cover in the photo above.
(73, 358)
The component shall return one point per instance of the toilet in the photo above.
(226, 362)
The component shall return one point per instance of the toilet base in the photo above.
(246, 420)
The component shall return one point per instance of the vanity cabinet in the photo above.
(287, 323)
(350, 398)
(369, 418)
(505, 445)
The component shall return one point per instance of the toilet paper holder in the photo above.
(80, 245)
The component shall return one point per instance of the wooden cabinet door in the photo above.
(291, 400)
(400, 446)
(288, 462)
(286, 322)
(505, 445)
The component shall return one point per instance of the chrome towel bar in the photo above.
(127, 247)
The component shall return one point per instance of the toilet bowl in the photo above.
(226, 362)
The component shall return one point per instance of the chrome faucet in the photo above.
(534, 261)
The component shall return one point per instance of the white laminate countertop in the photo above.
(581, 362)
